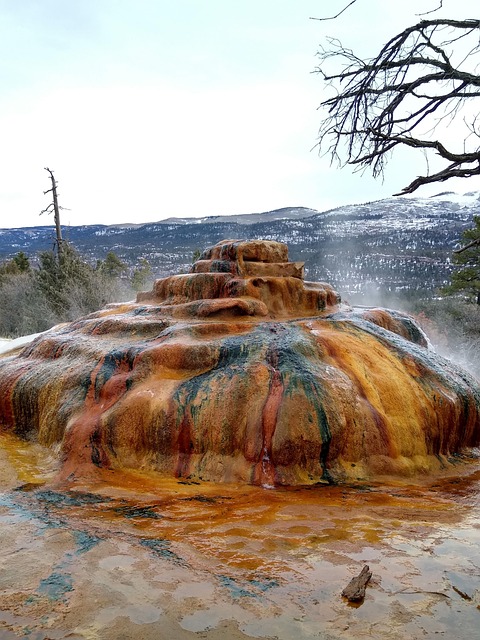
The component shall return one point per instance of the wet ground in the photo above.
(141, 557)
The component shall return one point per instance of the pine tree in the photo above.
(22, 262)
(56, 278)
(141, 275)
(467, 277)
(112, 266)
(18, 264)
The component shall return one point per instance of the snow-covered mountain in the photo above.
(286, 213)
(391, 245)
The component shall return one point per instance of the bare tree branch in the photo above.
(48, 209)
(415, 81)
(426, 13)
(338, 14)
(468, 246)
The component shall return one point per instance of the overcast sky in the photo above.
(147, 109)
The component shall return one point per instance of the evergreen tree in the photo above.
(58, 277)
(63, 288)
(112, 266)
(22, 262)
(467, 277)
(18, 264)
(141, 275)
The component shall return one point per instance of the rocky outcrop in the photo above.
(241, 371)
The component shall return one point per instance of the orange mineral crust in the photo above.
(241, 372)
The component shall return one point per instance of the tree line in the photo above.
(61, 287)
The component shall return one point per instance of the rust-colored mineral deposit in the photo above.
(241, 371)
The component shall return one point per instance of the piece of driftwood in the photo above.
(355, 589)
(464, 595)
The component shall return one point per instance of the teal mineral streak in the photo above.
(161, 548)
(132, 512)
(235, 589)
(70, 498)
(15, 512)
(295, 354)
(84, 541)
(60, 581)
(56, 586)
(235, 354)
(111, 362)
(284, 346)
(263, 585)
(253, 588)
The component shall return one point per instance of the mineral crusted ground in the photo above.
(136, 556)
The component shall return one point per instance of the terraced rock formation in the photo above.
(241, 372)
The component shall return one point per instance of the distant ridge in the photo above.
(396, 245)
(285, 213)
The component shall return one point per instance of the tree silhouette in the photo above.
(423, 77)
(55, 207)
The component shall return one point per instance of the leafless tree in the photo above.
(55, 207)
(422, 81)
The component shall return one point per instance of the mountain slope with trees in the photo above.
(392, 246)
(466, 278)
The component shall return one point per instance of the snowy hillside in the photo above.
(393, 245)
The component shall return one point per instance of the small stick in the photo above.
(464, 595)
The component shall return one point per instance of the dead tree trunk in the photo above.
(53, 206)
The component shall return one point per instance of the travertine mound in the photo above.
(242, 279)
(241, 371)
